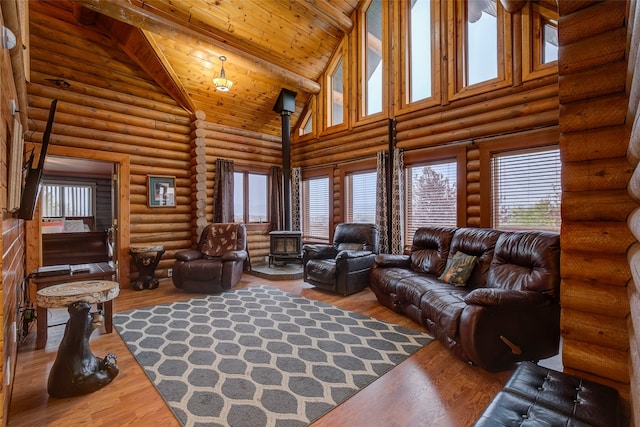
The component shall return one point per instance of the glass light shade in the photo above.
(222, 83)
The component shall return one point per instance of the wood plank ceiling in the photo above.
(269, 45)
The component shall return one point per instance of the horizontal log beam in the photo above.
(589, 296)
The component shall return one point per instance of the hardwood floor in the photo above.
(431, 388)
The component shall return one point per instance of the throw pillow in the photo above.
(458, 269)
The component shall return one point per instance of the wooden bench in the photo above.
(79, 272)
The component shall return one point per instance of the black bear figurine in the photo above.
(76, 370)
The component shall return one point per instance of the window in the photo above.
(335, 91)
(481, 41)
(307, 124)
(431, 196)
(373, 59)
(526, 189)
(360, 195)
(315, 208)
(480, 58)
(67, 200)
(549, 42)
(420, 75)
(250, 191)
(539, 42)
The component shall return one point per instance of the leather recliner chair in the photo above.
(217, 263)
(342, 267)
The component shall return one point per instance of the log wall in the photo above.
(595, 204)
(112, 106)
(11, 241)
(245, 148)
(632, 125)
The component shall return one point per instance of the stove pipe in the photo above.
(285, 105)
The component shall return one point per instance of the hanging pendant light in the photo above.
(222, 83)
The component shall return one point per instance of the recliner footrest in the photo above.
(535, 394)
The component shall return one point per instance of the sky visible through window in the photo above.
(420, 50)
(482, 49)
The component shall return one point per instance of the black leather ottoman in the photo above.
(537, 396)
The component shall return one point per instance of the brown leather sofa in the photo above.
(342, 267)
(218, 262)
(507, 310)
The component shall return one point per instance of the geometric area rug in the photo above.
(259, 356)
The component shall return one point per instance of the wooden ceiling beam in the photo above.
(333, 15)
(142, 48)
(140, 18)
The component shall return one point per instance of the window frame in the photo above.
(246, 171)
(316, 174)
(364, 166)
(457, 154)
(534, 139)
(402, 54)
(361, 91)
(340, 56)
(456, 70)
(533, 17)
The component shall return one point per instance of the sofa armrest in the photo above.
(346, 254)
(392, 260)
(504, 298)
(319, 251)
(188, 255)
(499, 327)
(235, 255)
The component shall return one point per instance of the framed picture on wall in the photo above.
(162, 191)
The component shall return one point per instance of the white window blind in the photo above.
(431, 196)
(526, 190)
(360, 195)
(315, 209)
(67, 200)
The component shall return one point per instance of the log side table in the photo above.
(76, 370)
(146, 258)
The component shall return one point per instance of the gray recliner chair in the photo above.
(342, 267)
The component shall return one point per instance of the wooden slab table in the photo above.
(79, 272)
(76, 370)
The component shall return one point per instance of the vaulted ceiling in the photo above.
(269, 45)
